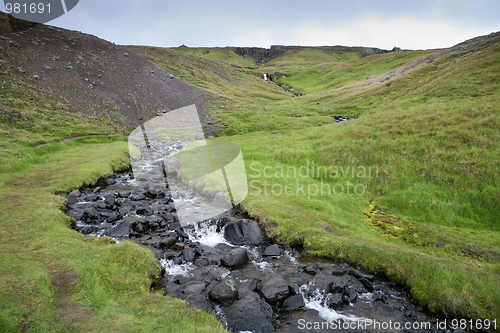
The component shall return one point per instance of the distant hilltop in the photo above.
(259, 54)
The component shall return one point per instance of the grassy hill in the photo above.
(409, 190)
(427, 128)
(55, 85)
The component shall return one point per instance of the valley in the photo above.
(427, 121)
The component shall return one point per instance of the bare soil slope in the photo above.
(93, 77)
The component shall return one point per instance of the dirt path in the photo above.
(74, 138)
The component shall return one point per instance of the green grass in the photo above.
(429, 218)
(53, 279)
(221, 54)
(321, 76)
(29, 119)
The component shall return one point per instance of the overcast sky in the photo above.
(409, 24)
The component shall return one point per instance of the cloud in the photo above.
(386, 23)
(405, 32)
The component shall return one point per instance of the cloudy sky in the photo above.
(410, 24)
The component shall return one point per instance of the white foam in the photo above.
(262, 265)
(290, 257)
(314, 302)
(173, 269)
(220, 315)
(206, 235)
(366, 297)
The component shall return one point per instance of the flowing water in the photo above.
(305, 294)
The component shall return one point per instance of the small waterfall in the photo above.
(206, 234)
(194, 262)
(314, 300)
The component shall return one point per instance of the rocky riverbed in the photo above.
(226, 265)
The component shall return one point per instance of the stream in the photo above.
(226, 265)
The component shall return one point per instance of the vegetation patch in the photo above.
(427, 121)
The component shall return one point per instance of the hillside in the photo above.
(51, 75)
(58, 84)
(427, 122)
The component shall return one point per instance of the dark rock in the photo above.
(357, 285)
(89, 214)
(151, 193)
(124, 194)
(338, 284)
(250, 314)
(294, 302)
(151, 241)
(350, 295)
(371, 51)
(172, 234)
(272, 250)
(114, 217)
(225, 291)
(367, 284)
(360, 275)
(146, 211)
(189, 254)
(168, 242)
(294, 288)
(75, 193)
(311, 269)
(91, 198)
(181, 233)
(178, 246)
(181, 279)
(173, 225)
(379, 296)
(201, 261)
(137, 197)
(193, 293)
(334, 301)
(217, 272)
(249, 284)
(323, 281)
(235, 258)
(87, 229)
(172, 165)
(244, 232)
(274, 290)
(139, 228)
(125, 209)
(383, 308)
(71, 200)
(338, 271)
(120, 230)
